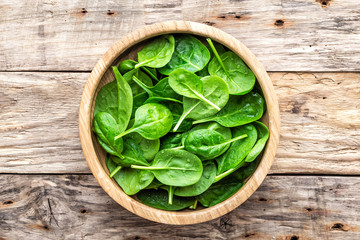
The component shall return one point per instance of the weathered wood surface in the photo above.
(287, 35)
(75, 207)
(320, 121)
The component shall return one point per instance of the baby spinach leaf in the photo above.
(143, 78)
(263, 135)
(239, 149)
(208, 144)
(177, 110)
(132, 154)
(207, 178)
(219, 192)
(160, 92)
(130, 180)
(238, 111)
(189, 85)
(152, 121)
(126, 66)
(148, 147)
(226, 132)
(175, 167)
(220, 49)
(159, 199)
(157, 53)
(239, 78)
(215, 90)
(190, 54)
(244, 172)
(106, 128)
(115, 99)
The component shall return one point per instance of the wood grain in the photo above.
(319, 123)
(75, 207)
(287, 35)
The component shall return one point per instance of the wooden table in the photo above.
(311, 50)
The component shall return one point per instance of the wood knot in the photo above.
(8, 202)
(309, 210)
(225, 224)
(294, 238)
(324, 3)
(110, 13)
(209, 23)
(84, 211)
(262, 199)
(339, 227)
(279, 23)
(84, 11)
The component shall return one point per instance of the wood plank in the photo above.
(287, 35)
(75, 207)
(320, 118)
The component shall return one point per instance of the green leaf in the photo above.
(106, 128)
(157, 53)
(263, 135)
(190, 54)
(239, 149)
(175, 167)
(152, 121)
(207, 178)
(238, 111)
(159, 199)
(215, 90)
(208, 144)
(148, 147)
(132, 154)
(141, 76)
(130, 180)
(239, 78)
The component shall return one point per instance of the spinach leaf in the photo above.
(219, 192)
(136, 89)
(148, 147)
(220, 49)
(152, 121)
(130, 180)
(226, 132)
(159, 199)
(128, 65)
(115, 99)
(132, 154)
(239, 78)
(239, 149)
(207, 178)
(189, 85)
(106, 128)
(263, 135)
(244, 172)
(215, 90)
(157, 53)
(238, 111)
(208, 144)
(190, 54)
(175, 167)
(160, 92)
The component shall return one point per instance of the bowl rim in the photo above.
(109, 186)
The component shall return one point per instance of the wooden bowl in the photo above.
(126, 48)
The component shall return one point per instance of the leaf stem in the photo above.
(150, 73)
(228, 172)
(140, 64)
(207, 101)
(217, 56)
(115, 171)
(178, 148)
(143, 86)
(171, 195)
(158, 168)
(124, 133)
(237, 138)
(183, 116)
(194, 205)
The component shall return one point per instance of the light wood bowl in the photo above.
(126, 48)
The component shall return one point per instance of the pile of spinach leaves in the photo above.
(180, 126)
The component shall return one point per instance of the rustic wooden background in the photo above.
(311, 50)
